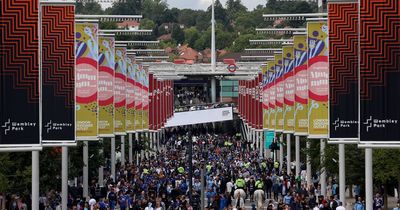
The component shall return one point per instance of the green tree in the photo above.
(127, 7)
(235, 8)
(191, 35)
(220, 13)
(146, 23)
(177, 34)
(89, 8)
(188, 17)
(154, 10)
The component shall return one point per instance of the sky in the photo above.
(204, 4)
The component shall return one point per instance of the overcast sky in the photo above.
(203, 4)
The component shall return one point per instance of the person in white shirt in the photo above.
(340, 207)
(229, 187)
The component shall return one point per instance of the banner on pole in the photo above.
(19, 76)
(265, 97)
(86, 39)
(120, 91)
(138, 99)
(318, 79)
(269, 137)
(279, 84)
(379, 71)
(58, 73)
(289, 84)
(343, 68)
(145, 116)
(301, 85)
(271, 95)
(130, 94)
(106, 85)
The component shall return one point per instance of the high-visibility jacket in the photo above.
(181, 170)
(259, 184)
(145, 171)
(240, 183)
(276, 164)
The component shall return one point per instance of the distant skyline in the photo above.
(204, 4)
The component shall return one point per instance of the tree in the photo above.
(234, 8)
(127, 7)
(191, 35)
(154, 9)
(89, 8)
(188, 17)
(146, 23)
(177, 34)
(220, 13)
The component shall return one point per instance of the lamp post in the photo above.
(213, 56)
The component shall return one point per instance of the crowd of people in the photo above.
(190, 95)
(235, 177)
(229, 164)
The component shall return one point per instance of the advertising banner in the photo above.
(288, 105)
(120, 91)
(265, 97)
(343, 70)
(271, 95)
(138, 98)
(145, 117)
(58, 73)
(151, 101)
(106, 85)
(269, 137)
(280, 88)
(259, 101)
(130, 94)
(379, 71)
(301, 85)
(318, 79)
(86, 81)
(19, 75)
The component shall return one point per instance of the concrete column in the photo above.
(281, 153)
(122, 150)
(308, 170)
(85, 169)
(130, 148)
(323, 172)
(113, 158)
(101, 168)
(64, 177)
(35, 180)
(213, 90)
(297, 139)
(342, 174)
(289, 154)
(369, 188)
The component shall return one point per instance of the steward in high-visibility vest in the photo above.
(259, 184)
(276, 165)
(145, 171)
(240, 183)
(208, 167)
(181, 170)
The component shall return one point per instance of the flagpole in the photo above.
(213, 56)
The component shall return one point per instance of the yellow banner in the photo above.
(120, 90)
(318, 79)
(106, 86)
(86, 81)
(145, 116)
(279, 88)
(301, 85)
(265, 97)
(271, 95)
(139, 98)
(130, 95)
(288, 105)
